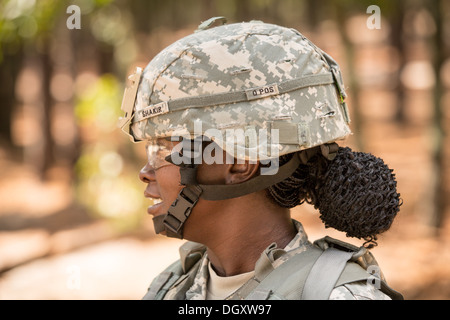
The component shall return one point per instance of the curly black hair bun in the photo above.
(357, 195)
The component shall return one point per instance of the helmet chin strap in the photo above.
(173, 221)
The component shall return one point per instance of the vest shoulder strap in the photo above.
(330, 263)
(311, 274)
(314, 273)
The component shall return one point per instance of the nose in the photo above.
(147, 173)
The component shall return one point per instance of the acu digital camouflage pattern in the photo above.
(251, 76)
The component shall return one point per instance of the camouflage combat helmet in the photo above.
(249, 77)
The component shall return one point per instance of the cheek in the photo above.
(168, 179)
(214, 173)
(210, 174)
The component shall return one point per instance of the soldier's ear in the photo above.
(240, 172)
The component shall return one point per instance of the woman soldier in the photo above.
(241, 123)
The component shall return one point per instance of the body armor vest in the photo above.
(309, 275)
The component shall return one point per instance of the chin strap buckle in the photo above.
(180, 210)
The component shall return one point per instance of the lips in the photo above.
(155, 208)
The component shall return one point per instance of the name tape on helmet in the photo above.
(152, 111)
(232, 97)
(261, 92)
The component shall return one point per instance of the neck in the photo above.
(237, 233)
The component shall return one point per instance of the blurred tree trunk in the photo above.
(396, 21)
(9, 69)
(272, 12)
(242, 10)
(143, 13)
(314, 8)
(208, 9)
(437, 215)
(47, 103)
(350, 80)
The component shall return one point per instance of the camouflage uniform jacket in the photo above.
(163, 288)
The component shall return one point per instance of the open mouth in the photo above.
(156, 201)
(155, 208)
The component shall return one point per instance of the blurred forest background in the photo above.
(73, 222)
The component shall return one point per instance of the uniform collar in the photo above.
(271, 257)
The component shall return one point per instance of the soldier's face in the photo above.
(162, 179)
(164, 184)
